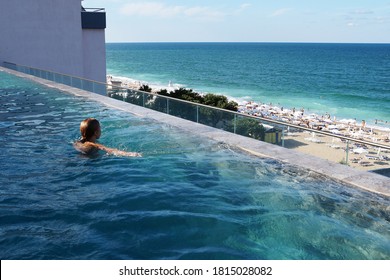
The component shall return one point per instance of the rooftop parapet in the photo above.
(93, 18)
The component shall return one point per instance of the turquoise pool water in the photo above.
(187, 198)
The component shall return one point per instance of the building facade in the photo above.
(54, 35)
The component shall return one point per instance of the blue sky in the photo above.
(364, 21)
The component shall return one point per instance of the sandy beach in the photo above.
(362, 157)
(333, 149)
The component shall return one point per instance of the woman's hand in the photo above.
(117, 152)
(125, 154)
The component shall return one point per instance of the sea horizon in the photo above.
(245, 42)
(346, 80)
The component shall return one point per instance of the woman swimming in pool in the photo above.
(90, 132)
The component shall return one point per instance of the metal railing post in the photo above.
(235, 124)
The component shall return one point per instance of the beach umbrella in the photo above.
(341, 126)
(327, 121)
(348, 121)
(335, 131)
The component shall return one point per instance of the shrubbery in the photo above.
(210, 99)
(220, 119)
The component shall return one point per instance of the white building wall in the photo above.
(47, 34)
(94, 54)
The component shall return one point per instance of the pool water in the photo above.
(187, 198)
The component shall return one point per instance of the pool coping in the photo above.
(362, 179)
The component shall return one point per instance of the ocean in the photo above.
(344, 80)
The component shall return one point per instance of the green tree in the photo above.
(250, 127)
(220, 101)
(134, 97)
(145, 88)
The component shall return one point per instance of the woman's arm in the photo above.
(116, 152)
(90, 147)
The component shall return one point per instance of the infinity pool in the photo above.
(187, 198)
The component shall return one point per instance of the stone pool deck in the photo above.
(362, 179)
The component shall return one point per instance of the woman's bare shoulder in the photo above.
(86, 148)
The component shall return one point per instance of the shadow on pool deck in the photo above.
(383, 172)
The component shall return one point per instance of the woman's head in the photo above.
(90, 129)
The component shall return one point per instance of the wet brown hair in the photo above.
(88, 127)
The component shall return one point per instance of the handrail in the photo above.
(262, 119)
(50, 71)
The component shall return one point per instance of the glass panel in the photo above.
(273, 132)
(250, 127)
(182, 110)
(115, 93)
(216, 118)
(131, 96)
(157, 103)
(50, 76)
(77, 83)
(12, 66)
(66, 80)
(44, 74)
(57, 78)
(99, 88)
(87, 85)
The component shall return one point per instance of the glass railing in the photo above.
(72, 81)
(361, 149)
(231, 121)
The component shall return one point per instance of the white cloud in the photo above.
(151, 9)
(280, 12)
(203, 12)
(364, 17)
(156, 9)
(362, 12)
(244, 7)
